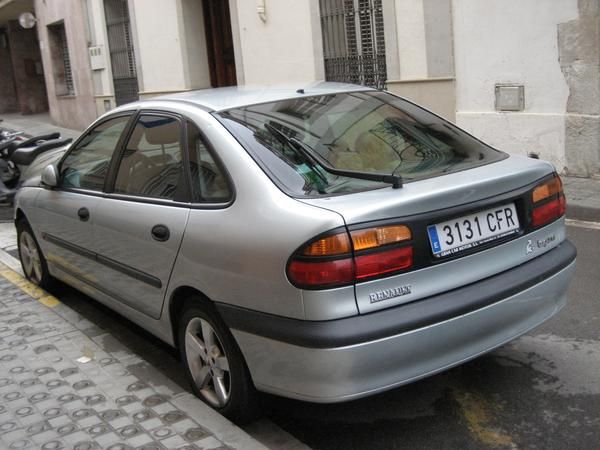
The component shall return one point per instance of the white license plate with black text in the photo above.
(466, 232)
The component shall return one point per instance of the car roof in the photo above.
(220, 99)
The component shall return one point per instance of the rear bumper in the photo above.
(343, 359)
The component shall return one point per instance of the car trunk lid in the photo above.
(422, 204)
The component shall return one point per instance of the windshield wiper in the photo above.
(315, 157)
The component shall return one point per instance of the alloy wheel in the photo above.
(30, 257)
(208, 362)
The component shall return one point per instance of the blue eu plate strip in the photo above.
(433, 237)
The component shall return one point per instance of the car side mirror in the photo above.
(50, 176)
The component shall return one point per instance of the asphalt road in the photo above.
(540, 391)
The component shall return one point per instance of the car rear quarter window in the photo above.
(87, 164)
(366, 131)
(209, 183)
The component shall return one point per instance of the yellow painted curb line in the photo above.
(28, 287)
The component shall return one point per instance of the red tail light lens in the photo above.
(549, 202)
(342, 259)
(375, 264)
(321, 273)
(548, 212)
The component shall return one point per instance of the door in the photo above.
(140, 224)
(67, 213)
(219, 40)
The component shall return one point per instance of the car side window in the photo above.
(151, 165)
(209, 184)
(86, 166)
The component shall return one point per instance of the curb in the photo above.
(584, 213)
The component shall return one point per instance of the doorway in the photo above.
(221, 58)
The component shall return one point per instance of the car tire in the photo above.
(219, 376)
(31, 256)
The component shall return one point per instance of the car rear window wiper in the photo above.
(313, 156)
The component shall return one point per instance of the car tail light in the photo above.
(549, 202)
(344, 258)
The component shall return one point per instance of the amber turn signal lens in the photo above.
(331, 245)
(376, 237)
(547, 189)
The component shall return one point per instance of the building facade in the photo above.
(524, 75)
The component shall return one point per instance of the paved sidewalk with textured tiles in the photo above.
(59, 388)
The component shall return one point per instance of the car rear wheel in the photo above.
(31, 256)
(215, 366)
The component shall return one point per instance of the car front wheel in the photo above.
(32, 258)
(215, 366)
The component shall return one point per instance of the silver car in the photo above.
(322, 243)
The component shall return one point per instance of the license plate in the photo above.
(453, 236)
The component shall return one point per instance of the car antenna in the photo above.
(300, 91)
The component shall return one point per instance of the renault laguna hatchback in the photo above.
(323, 243)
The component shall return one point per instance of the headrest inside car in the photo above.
(161, 131)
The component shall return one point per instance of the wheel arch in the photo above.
(179, 299)
(19, 215)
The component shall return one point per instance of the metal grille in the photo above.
(353, 41)
(122, 56)
(64, 50)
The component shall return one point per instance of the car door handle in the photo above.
(160, 233)
(84, 214)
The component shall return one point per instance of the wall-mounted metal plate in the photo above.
(97, 59)
(510, 97)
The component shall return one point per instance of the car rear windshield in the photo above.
(366, 131)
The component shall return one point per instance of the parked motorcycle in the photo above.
(17, 155)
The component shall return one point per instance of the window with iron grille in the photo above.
(122, 55)
(61, 62)
(353, 41)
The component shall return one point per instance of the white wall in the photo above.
(193, 36)
(512, 41)
(285, 48)
(159, 49)
(412, 46)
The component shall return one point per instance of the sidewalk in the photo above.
(65, 383)
(583, 194)
(35, 125)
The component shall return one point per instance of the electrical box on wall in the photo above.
(97, 59)
(510, 97)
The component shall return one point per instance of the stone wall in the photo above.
(579, 56)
